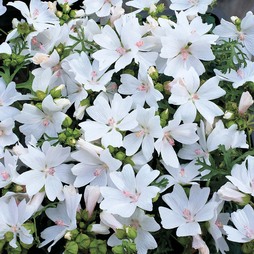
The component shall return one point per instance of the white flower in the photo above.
(38, 14)
(184, 174)
(110, 119)
(12, 218)
(199, 244)
(144, 134)
(192, 97)
(93, 168)
(121, 47)
(9, 95)
(242, 176)
(191, 7)
(244, 33)
(91, 196)
(5, 47)
(130, 192)
(184, 133)
(89, 74)
(8, 169)
(243, 220)
(36, 122)
(100, 7)
(141, 88)
(64, 216)
(185, 213)
(187, 44)
(240, 76)
(47, 169)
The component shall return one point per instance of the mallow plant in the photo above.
(126, 127)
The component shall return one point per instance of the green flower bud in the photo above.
(61, 23)
(65, 17)
(66, 8)
(85, 102)
(14, 63)
(132, 247)
(83, 241)
(131, 232)
(245, 200)
(40, 95)
(67, 122)
(7, 62)
(247, 248)
(82, 224)
(163, 123)
(160, 8)
(56, 92)
(18, 188)
(76, 133)
(72, 14)
(159, 87)
(164, 114)
(60, 48)
(102, 248)
(23, 28)
(20, 59)
(62, 137)
(39, 105)
(120, 156)
(4, 56)
(118, 249)
(153, 73)
(71, 141)
(121, 233)
(71, 248)
(111, 149)
(84, 215)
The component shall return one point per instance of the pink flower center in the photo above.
(140, 133)
(241, 36)
(185, 53)
(133, 197)
(169, 139)
(14, 229)
(111, 122)
(5, 175)
(143, 88)
(218, 224)
(182, 172)
(195, 97)
(36, 13)
(198, 151)
(121, 51)
(59, 223)
(45, 122)
(51, 171)
(139, 43)
(135, 223)
(1, 133)
(187, 215)
(97, 172)
(240, 73)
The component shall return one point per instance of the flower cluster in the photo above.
(124, 131)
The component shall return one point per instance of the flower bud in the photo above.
(120, 156)
(56, 92)
(246, 101)
(228, 115)
(71, 248)
(118, 249)
(67, 122)
(121, 233)
(62, 137)
(66, 8)
(153, 73)
(131, 232)
(83, 241)
(159, 87)
(40, 95)
(91, 196)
